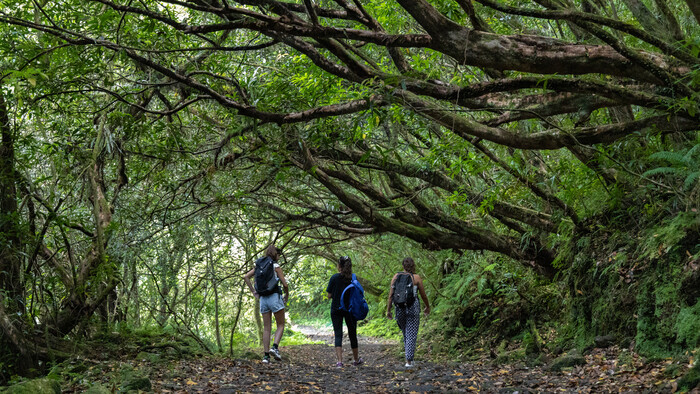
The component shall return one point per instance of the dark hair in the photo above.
(409, 265)
(345, 265)
(272, 252)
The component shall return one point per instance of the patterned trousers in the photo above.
(408, 320)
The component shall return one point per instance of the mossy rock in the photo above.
(511, 356)
(98, 389)
(136, 383)
(150, 357)
(537, 361)
(568, 360)
(251, 355)
(691, 379)
(604, 341)
(36, 386)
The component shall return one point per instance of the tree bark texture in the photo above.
(10, 242)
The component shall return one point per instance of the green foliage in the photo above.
(628, 283)
(36, 386)
(292, 337)
(684, 166)
(691, 379)
(688, 326)
(209, 188)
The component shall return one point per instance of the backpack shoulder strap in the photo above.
(342, 296)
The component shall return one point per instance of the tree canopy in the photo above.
(504, 126)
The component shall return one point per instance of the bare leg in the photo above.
(339, 354)
(356, 354)
(267, 328)
(279, 319)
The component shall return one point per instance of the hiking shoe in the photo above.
(358, 362)
(266, 360)
(276, 354)
(339, 365)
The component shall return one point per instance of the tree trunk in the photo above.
(238, 315)
(10, 245)
(694, 6)
(645, 17)
(26, 360)
(78, 305)
(11, 286)
(258, 320)
(214, 284)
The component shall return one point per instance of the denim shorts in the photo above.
(271, 303)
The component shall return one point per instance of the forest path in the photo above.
(311, 368)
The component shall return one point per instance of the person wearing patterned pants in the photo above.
(408, 317)
(408, 320)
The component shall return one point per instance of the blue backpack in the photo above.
(356, 304)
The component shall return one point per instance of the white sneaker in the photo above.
(276, 354)
(409, 364)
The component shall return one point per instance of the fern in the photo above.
(671, 157)
(662, 171)
(691, 179)
(691, 152)
(682, 165)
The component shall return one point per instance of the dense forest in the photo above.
(539, 160)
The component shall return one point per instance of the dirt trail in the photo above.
(311, 368)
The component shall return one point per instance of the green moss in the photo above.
(629, 282)
(567, 361)
(508, 357)
(36, 386)
(691, 379)
(98, 389)
(672, 370)
(688, 326)
(136, 383)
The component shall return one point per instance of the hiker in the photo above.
(403, 293)
(268, 276)
(336, 285)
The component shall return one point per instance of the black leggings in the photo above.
(337, 319)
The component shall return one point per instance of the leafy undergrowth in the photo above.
(311, 368)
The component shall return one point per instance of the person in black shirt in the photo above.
(336, 285)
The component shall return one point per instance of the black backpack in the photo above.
(403, 291)
(265, 280)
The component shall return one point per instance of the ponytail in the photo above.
(345, 265)
(272, 252)
(409, 265)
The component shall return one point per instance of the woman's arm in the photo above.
(246, 278)
(421, 290)
(388, 301)
(285, 285)
(331, 287)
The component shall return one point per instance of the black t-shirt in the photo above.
(336, 285)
